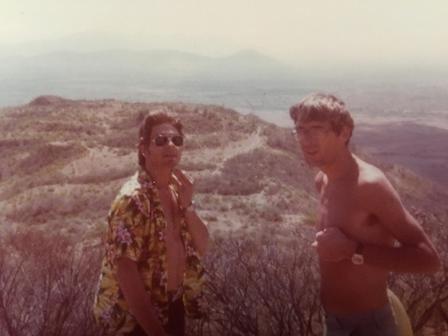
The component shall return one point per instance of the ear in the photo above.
(346, 133)
(142, 149)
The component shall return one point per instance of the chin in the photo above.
(311, 160)
(314, 162)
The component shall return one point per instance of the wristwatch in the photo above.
(357, 257)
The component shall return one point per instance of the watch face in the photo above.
(357, 259)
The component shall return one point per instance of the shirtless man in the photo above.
(151, 273)
(364, 232)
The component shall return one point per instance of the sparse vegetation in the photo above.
(48, 154)
(264, 284)
(281, 139)
(46, 285)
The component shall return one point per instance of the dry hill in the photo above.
(63, 162)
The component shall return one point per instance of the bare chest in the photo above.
(342, 207)
(175, 251)
(172, 229)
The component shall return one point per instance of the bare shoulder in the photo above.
(320, 180)
(373, 183)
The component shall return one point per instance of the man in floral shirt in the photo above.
(151, 273)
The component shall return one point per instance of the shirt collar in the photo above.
(145, 180)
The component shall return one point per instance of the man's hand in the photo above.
(332, 245)
(195, 225)
(185, 188)
(138, 300)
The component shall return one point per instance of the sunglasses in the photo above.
(162, 140)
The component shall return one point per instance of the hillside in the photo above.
(63, 161)
(408, 144)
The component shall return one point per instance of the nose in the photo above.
(305, 141)
(171, 147)
(172, 144)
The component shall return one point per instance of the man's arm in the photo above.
(416, 253)
(139, 302)
(198, 230)
(319, 183)
(195, 225)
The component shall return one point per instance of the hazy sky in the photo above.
(380, 31)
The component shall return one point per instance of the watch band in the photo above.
(358, 257)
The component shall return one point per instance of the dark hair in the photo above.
(150, 121)
(323, 107)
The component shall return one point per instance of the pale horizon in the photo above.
(381, 33)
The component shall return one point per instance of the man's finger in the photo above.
(182, 177)
(176, 180)
(332, 229)
(319, 235)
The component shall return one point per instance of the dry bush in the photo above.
(426, 297)
(282, 139)
(233, 186)
(212, 140)
(248, 173)
(255, 286)
(50, 177)
(48, 154)
(270, 214)
(257, 215)
(69, 127)
(270, 287)
(128, 119)
(120, 139)
(48, 205)
(261, 163)
(260, 289)
(16, 144)
(46, 286)
(208, 121)
(102, 175)
(197, 166)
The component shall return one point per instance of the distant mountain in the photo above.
(160, 65)
(91, 41)
(139, 75)
(249, 64)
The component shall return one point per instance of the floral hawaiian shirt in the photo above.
(135, 230)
